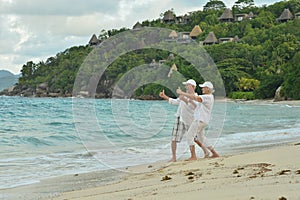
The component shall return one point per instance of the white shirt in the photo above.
(203, 110)
(185, 111)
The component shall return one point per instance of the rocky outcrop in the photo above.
(279, 96)
(42, 90)
(148, 97)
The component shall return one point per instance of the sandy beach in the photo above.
(272, 173)
(268, 174)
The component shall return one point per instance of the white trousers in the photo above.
(197, 130)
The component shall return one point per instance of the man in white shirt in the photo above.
(184, 114)
(202, 116)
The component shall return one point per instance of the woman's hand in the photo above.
(179, 91)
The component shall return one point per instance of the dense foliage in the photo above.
(266, 57)
(58, 72)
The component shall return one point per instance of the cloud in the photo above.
(57, 7)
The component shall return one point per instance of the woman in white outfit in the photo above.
(202, 116)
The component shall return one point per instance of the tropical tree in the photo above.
(248, 84)
(242, 4)
(292, 78)
(214, 5)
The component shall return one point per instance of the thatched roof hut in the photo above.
(227, 16)
(186, 19)
(251, 15)
(240, 17)
(285, 16)
(169, 17)
(236, 39)
(195, 32)
(173, 34)
(138, 25)
(94, 40)
(173, 68)
(171, 56)
(210, 39)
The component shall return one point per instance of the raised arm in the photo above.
(191, 96)
(187, 100)
(172, 101)
(163, 95)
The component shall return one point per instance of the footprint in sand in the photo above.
(166, 178)
(284, 172)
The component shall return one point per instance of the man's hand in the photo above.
(162, 94)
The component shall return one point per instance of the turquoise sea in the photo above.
(49, 137)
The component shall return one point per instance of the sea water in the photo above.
(48, 137)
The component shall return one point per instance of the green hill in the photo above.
(256, 49)
(7, 79)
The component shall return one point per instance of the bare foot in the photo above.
(191, 159)
(206, 155)
(214, 156)
(172, 160)
(214, 153)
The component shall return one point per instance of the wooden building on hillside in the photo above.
(240, 17)
(185, 19)
(229, 39)
(210, 39)
(180, 37)
(227, 16)
(173, 68)
(94, 41)
(173, 35)
(138, 25)
(183, 37)
(285, 16)
(236, 39)
(251, 15)
(195, 32)
(225, 40)
(169, 17)
(243, 16)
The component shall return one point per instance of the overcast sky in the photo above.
(33, 30)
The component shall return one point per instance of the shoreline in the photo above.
(217, 99)
(54, 186)
(238, 176)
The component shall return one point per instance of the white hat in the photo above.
(207, 84)
(190, 81)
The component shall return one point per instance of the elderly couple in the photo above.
(193, 115)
